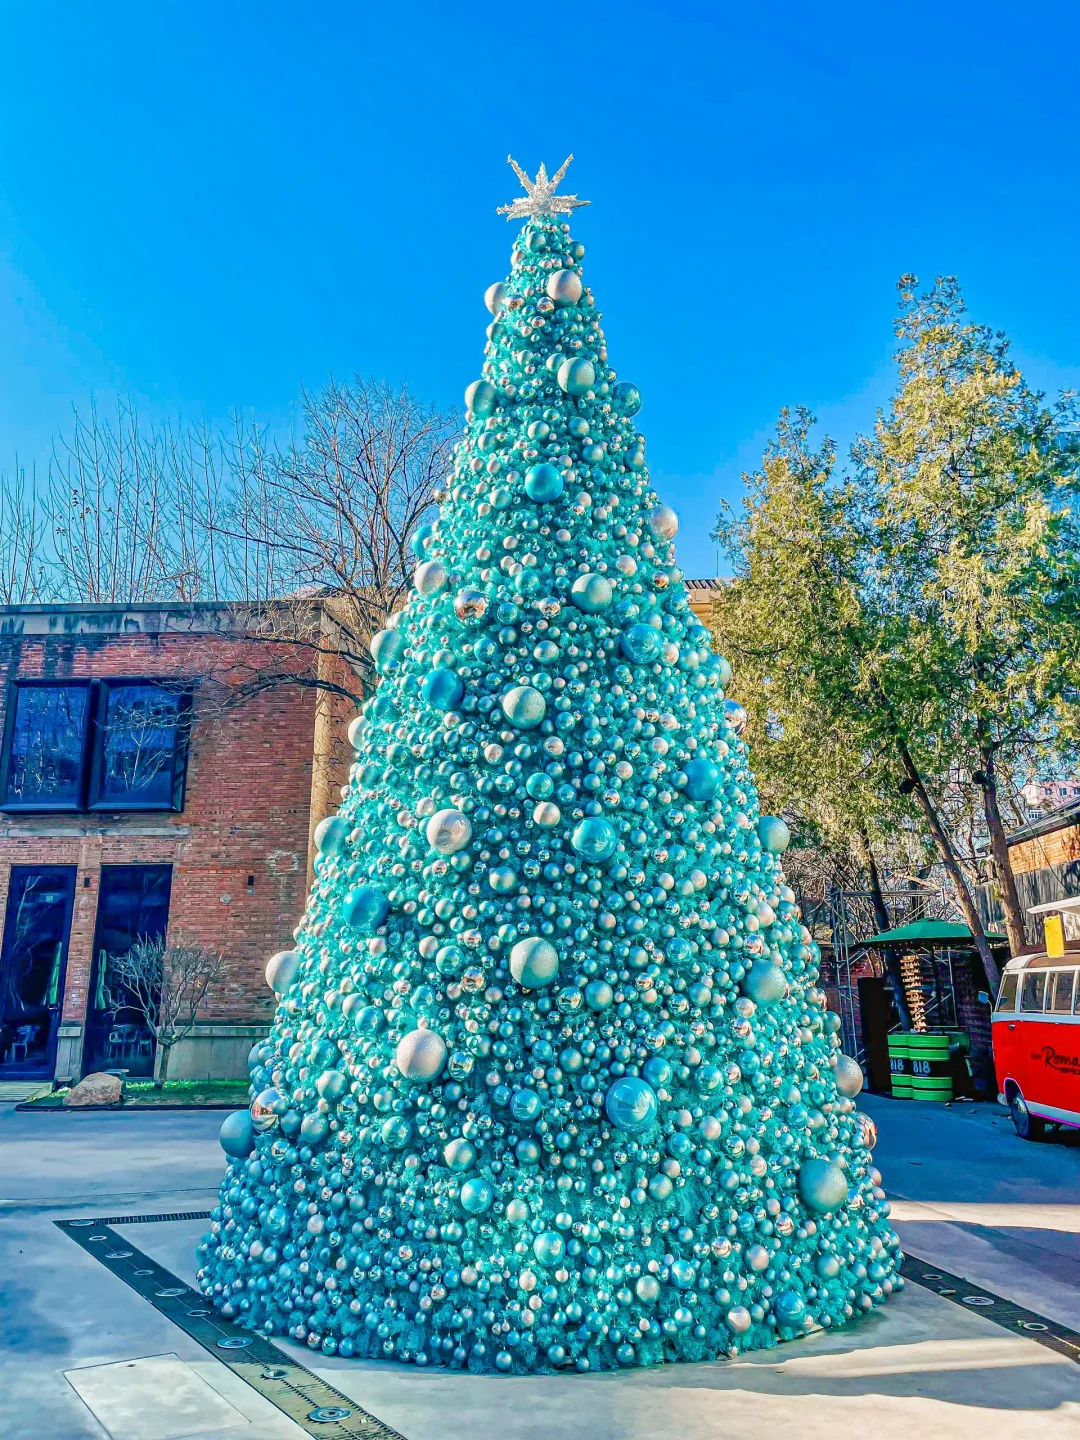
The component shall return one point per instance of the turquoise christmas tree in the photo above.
(550, 1082)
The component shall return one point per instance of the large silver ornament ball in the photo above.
(494, 296)
(420, 1055)
(564, 287)
(448, 831)
(534, 963)
(281, 970)
(663, 522)
(849, 1076)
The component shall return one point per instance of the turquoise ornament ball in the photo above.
(789, 1308)
(442, 689)
(822, 1185)
(386, 648)
(365, 908)
(459, 1154)
(625, 398)
(702, 779)
(543, 483)
(524, 707)
(774, 834)
(576, 377)
(420, 537)
(591, 593)
(332, 1085)
(642, 644)
(237, 1135)
(330, 835)
(631, 1104)
(764, 983)
(549, 1247)
(502, 879)
(476, 1196)
(525, 1105)
(395, 1132)
(534, 963)
(594, 840)
(723, 671)
(481, 397)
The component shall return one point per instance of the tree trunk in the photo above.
(952, 866)
(890, 956)
(161, 1064)
(999, 850)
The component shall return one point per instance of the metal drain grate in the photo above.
(993, 1307)
(298, 1392)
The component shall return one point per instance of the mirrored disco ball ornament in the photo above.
(551, 1083)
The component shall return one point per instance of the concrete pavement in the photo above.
(922, 1365)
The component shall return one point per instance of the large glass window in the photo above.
(139, 748)
(98, 745)
(133, 904)
(46, 747)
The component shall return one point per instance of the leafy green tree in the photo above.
(838, 704)
(973, 482)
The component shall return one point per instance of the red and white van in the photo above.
(1036, 1027)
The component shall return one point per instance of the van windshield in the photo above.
(1007, 994)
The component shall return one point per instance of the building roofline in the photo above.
(1061, 819)
(147, 617)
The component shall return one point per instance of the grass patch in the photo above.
(141, 1095)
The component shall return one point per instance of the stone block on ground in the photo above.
(96, 1089)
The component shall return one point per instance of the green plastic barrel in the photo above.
(931, 1067)
(899, 1065)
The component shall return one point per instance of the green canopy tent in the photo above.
(931, 935)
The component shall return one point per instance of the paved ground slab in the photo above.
(923, 1365)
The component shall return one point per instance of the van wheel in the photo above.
(1027, 1125)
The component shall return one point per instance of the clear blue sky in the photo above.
(207, 205)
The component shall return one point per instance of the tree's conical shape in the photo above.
(550, 1082)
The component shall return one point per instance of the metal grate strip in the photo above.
(308, 1400)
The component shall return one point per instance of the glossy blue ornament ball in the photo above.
(774, 834)
(631, 1104)
(702, 779)
(822, 1185)
(543, 483)
(789, 1308)
(642, 644)
(594, 839)
(476, 1195)
(365, 908)
(625, 398)
(442, 689)
(549, 1247)
(419, 541)
(237, 1135)
(534, 963)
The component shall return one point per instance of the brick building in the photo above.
(138, 798)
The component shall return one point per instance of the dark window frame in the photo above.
(93, 780)
(44, 807)
(88, 800)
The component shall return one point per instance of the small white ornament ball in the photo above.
(494, 296)
(849, 1076)
(448, 831)
(420, 1055)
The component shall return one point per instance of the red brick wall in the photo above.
(246, 809)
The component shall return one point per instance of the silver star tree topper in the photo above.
(540, 197)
